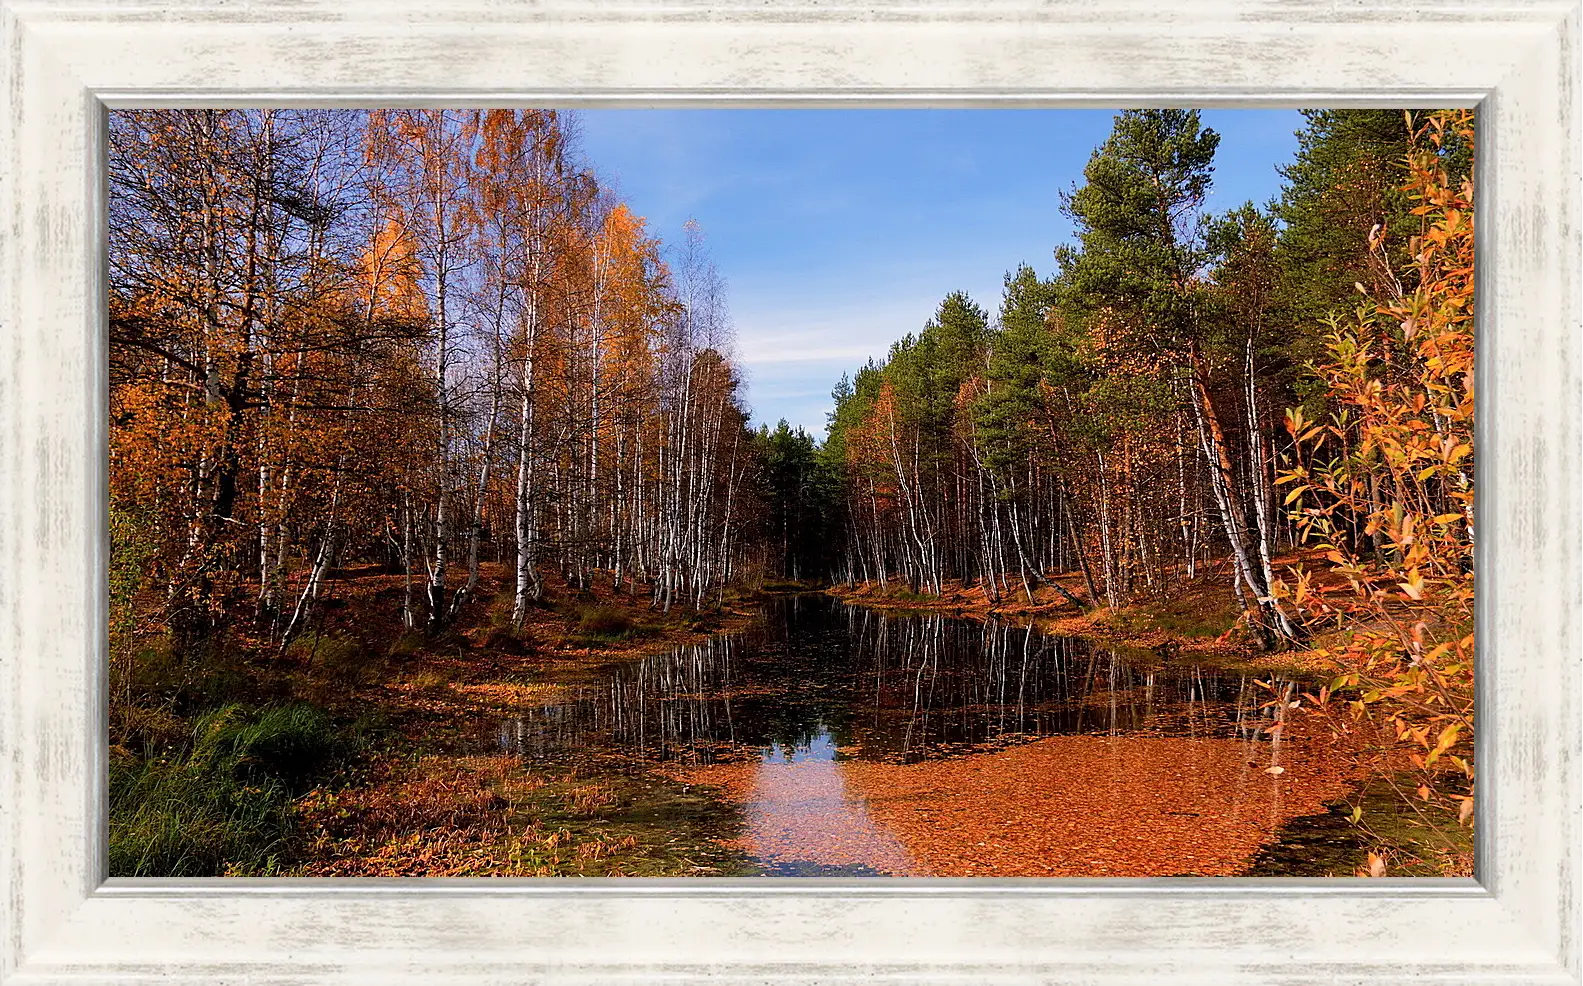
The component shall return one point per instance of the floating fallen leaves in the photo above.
(1095, 806)
(1062, 806)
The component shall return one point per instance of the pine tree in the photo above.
(1141, 265)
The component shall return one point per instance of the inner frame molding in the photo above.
(66, 61)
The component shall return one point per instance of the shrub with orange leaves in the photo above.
(1384, 485)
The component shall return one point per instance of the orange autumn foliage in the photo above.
(1384, 485)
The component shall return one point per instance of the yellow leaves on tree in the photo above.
(392, 275)
(630, 307)
(1384, 484)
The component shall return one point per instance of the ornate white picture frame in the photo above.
(65, 61)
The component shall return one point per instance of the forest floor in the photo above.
(428, 782)
(449, 799)
(431, 787)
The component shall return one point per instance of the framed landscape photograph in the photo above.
(790, 494)
(463, 526)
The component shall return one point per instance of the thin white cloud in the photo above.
(833, 354)
(795, 346)
(795, 390)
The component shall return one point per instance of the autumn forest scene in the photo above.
(858, 493)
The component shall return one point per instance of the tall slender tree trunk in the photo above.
(1274, 621)
(529, 586)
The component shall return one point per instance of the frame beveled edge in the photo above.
(376, 887)
(745, 98)
(50, 484)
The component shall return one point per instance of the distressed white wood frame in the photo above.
(65, 61)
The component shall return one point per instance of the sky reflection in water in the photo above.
(822, 683)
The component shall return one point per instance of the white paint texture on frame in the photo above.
(64, 61)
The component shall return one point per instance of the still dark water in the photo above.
(808, 718)
(824, 680)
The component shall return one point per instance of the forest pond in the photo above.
(855, 742)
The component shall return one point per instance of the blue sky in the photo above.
(839, 231)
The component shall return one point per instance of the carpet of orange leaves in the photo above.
(1094, 806)
(441, 816)
(1065, 806)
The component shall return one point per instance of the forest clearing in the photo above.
(444, 541)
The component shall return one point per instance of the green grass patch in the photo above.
(220, 803)
(788, 585)
(337, 656)
(606, 624)
(1192, 615)
(431, 678)
(409, 643)
(178, 818)
(1412, 840)
(152, 672)
(292, 743)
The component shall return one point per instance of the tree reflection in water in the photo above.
(888, 687)
(864, 743)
